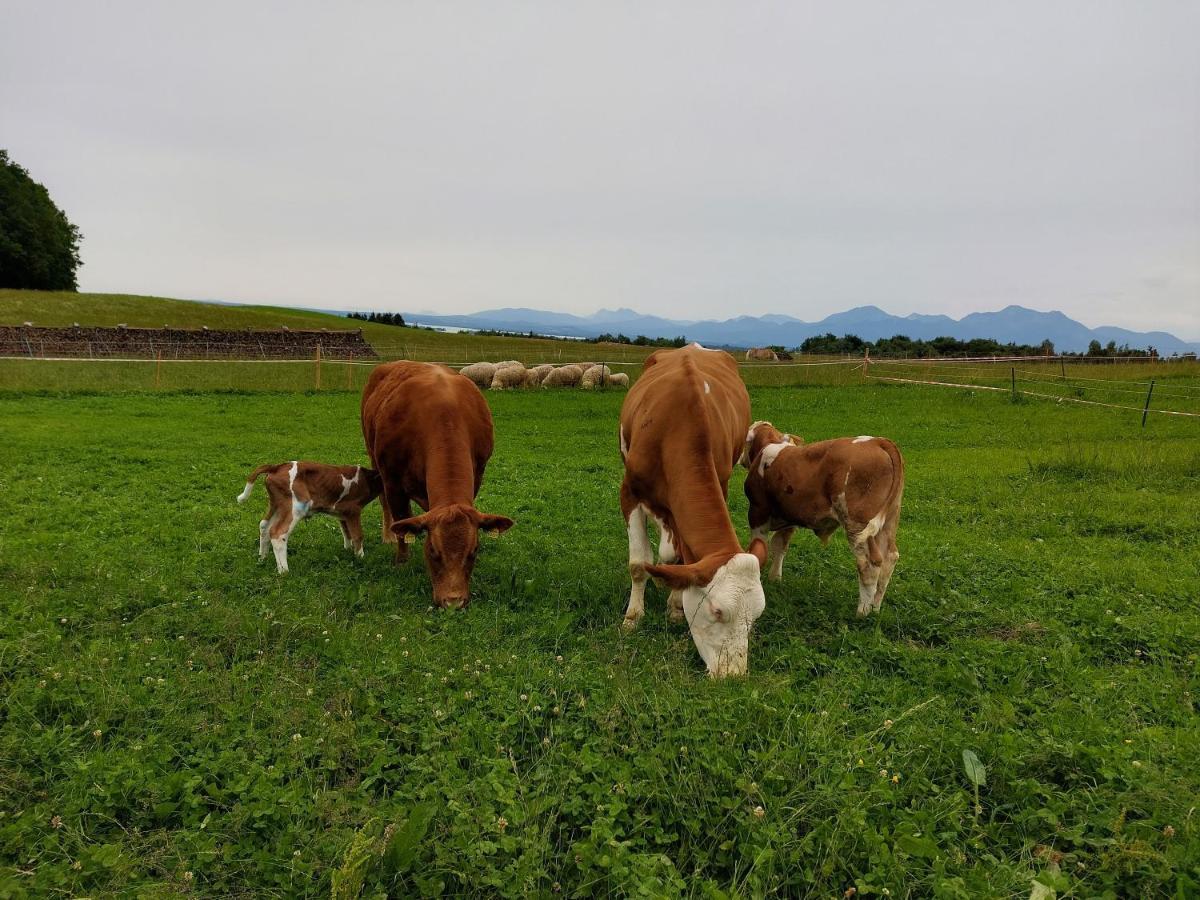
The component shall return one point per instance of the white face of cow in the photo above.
(722, 612)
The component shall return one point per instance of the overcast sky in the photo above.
(686, 159)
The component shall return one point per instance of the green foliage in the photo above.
(180, 719)
(640, 341)
(39, 247)
(379, 318)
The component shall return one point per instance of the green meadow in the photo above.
(1019, 721)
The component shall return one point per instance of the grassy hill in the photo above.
(65, 308)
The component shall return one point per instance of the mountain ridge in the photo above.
(1013, 323)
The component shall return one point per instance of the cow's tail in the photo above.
(890, 507)
(251, 479)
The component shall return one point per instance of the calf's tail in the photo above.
(251, 479)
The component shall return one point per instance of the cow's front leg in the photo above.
(639, 557)
(675, 606)
(779, 546)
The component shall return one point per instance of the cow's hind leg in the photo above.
(396, 506)
(891, 555)
(345, 534)
(640, 555)
(264, 533)
(868, 572)
(668, 555)
(779, 547)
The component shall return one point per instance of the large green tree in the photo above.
(39, 247)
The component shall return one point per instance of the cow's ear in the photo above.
(408, 529)
(494, 525)
(697, 574)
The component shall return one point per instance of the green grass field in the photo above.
(179, 719)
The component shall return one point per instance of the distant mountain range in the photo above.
(1015, 324)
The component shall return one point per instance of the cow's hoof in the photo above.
(628, 625)
(675, 615)
(863, 611)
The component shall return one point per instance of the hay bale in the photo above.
(564, 376)
(596, 376)
(481, 373)
(508, 376)
(619, 380)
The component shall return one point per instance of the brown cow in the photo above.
(855, 483)
(682, 428)
(429, 434)
(299, 489)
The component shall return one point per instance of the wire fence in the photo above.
(1174, 389)
(1164, 387)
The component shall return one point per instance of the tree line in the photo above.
(379, 318)
(902, 345)
(39, 247)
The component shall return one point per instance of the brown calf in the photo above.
(299, 489)
(856, 483)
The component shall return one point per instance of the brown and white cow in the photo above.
(429, 434)
(299, 489)
(683, 424)
(856, 483)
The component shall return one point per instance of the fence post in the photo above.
(1063, 366)
(317, 369)
(350, 371)
(866, 363)
(1146, 408)
(1014, 381)
(158, 370)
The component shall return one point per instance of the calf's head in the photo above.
(722, 598)
(451, 543)
(762, 434)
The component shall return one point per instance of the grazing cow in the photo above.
(299, 489)
(508, 375)
(564, 376)
(762, 354)
(429, 434)
(682, 428)
(596, 376)
(619, 379)
(855, 483)
(481, 373)
(536, 375)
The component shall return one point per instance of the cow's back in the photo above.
(687, 398)
(412, 409)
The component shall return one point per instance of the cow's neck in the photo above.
(701, 517)
(449, 474)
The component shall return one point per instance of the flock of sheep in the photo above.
(512, 374)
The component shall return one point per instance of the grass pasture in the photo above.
(179, 719)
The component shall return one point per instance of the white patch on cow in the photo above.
(347, 483)
(721, 614)
(767, 457)
(847, 481)
(666, 548)
(862, 439)
(624, 443)
(700, 346)
(707, 388)
(872, 528)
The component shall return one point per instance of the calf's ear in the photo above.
(494, 525)
(408, 529)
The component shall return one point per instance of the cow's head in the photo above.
(722, 598)
(374, 483)
(451, 542)
(762, 434)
